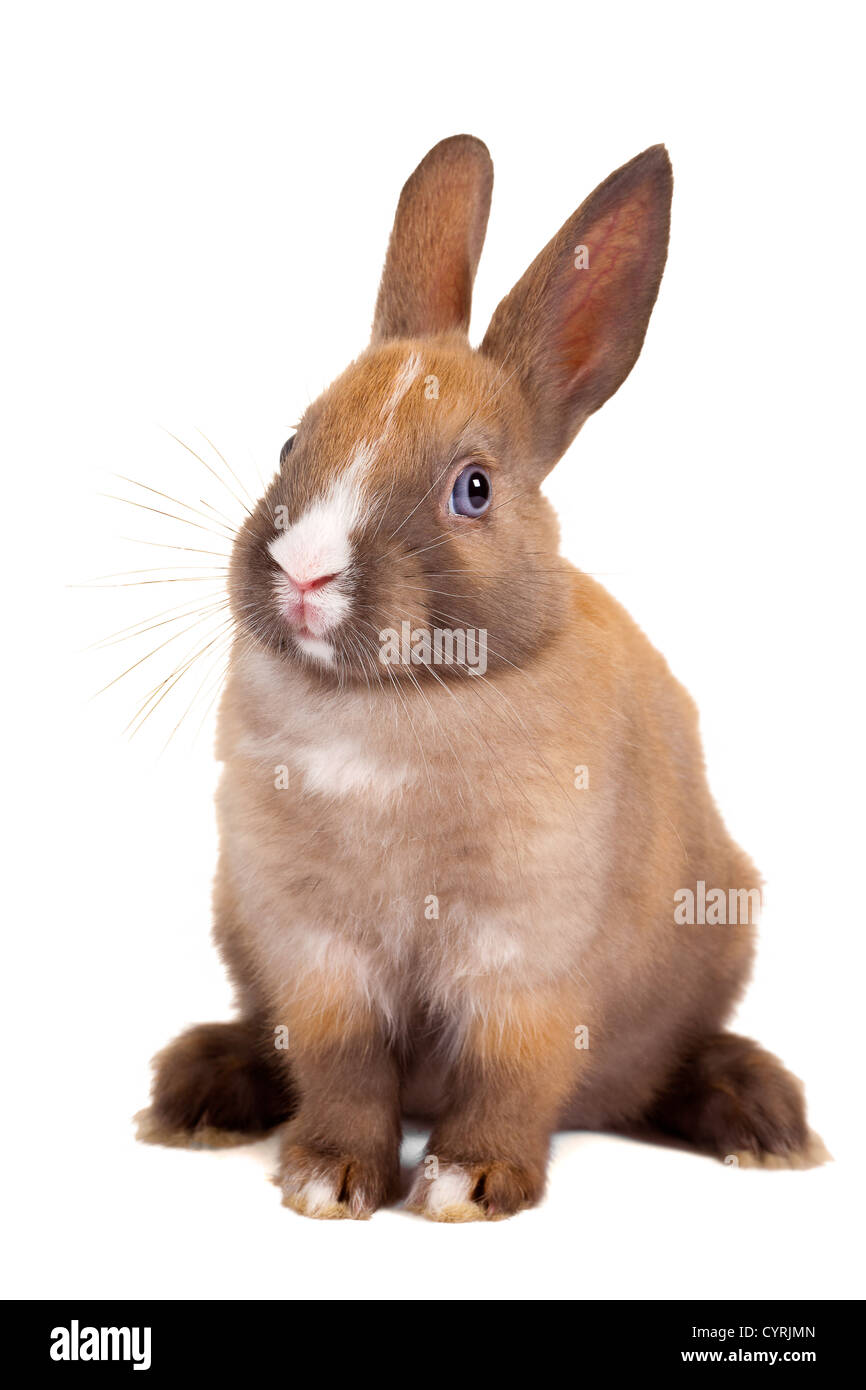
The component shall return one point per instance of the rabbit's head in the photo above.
(409, 501)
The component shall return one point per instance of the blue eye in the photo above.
(470, 495)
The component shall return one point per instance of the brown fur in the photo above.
(436, 242)
(218, 1076)
(555, 903)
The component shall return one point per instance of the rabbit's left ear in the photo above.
(436, 242)
(572, 327)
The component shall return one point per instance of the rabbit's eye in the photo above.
(286, 450)
(470, 495)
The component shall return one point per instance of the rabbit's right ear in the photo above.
(436, 242)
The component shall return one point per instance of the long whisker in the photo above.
(185, 520)
(164, 545)
(158, 620)
(225, 462)
(218, 662)
(216, 511)
(211, 470)
(171, 681)
(173, 638)
(176, 500)
(139, 583)
(153, 569)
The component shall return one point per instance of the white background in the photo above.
(197, 204)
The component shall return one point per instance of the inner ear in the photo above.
(574, 324)
(435, 243)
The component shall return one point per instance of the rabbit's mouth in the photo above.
(312, 612)
(311, 609)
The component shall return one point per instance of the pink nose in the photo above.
(305, 585)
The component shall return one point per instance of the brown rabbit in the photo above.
(470, 867)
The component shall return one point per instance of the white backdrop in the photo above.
(198, 199)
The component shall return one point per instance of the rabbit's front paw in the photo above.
(329, 1186)
(482, 1191)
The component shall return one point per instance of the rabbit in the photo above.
(454, 888)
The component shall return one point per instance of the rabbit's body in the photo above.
(454, 891)
(333, 867)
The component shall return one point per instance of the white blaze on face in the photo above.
(402, 381)
(319, 543)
